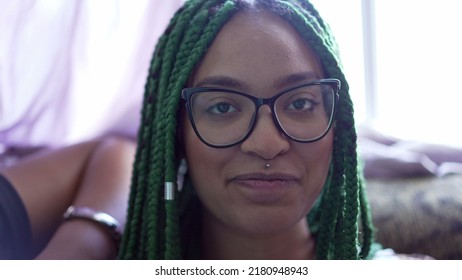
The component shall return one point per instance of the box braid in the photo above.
(155, 219)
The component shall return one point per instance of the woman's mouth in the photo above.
(264, 188)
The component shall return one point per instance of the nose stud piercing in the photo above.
(267, 165)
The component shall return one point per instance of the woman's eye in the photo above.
(301, 104)
(221, 108)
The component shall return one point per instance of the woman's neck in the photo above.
(220, 242)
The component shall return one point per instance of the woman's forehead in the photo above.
(255, 21)
(257, 44)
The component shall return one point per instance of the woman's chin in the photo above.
(268, 226)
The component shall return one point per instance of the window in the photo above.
(345, 20)
(412, 53)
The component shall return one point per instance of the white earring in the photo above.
(182, 170)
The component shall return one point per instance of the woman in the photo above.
(252, 96)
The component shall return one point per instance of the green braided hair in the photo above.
(340, 219)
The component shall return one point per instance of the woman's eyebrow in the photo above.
(228, 82)
(223, 81)
(296, 78)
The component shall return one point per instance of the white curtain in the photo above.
(73, 70)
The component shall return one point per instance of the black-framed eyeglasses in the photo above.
(222, 117)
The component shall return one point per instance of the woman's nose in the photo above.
(266, 140)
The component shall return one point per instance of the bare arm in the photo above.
(93, 174)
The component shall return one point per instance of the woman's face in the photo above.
(260, 55)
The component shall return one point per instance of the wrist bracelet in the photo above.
(101, 218)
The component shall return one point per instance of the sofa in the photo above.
(418, 215)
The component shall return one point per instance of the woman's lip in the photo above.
(264, 177)
(268, 185)
(264, 188)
